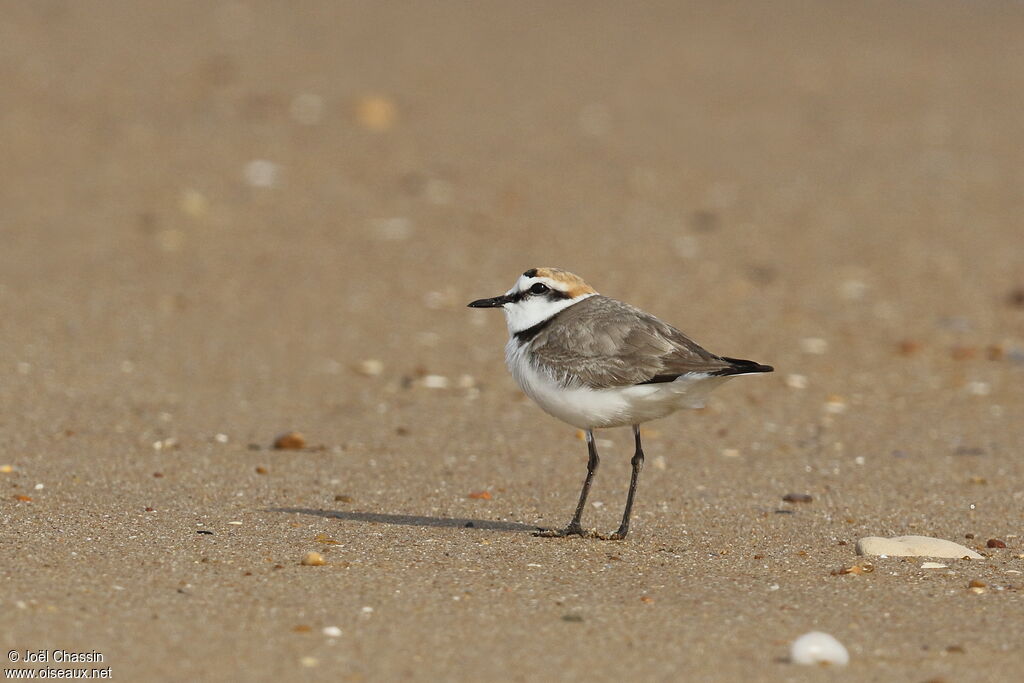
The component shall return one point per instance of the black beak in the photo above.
(493, 302)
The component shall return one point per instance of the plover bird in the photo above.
(595, 362)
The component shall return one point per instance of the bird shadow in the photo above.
(410, 520)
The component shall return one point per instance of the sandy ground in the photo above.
(213, 214)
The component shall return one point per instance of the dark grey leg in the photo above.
(638, 464)
(575, 528)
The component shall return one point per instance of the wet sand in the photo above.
(213, 216)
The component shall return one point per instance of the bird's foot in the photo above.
(571, 530)
(619, 535)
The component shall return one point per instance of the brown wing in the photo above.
(606, 343)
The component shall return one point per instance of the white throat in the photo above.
(530, 311)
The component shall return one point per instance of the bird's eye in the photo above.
(539, 288)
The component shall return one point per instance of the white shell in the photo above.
(914, 546)
(818, 648)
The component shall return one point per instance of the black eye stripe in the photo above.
(551, 294)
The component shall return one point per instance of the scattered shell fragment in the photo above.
(23, 498)
(313, 559)
(435, 382)
(332, 631)
(6, 469)
(933, 565)
(730, 452)
(261, 470)
(371, 367)
(914, 546)
(795, 381)
(480, 495)
(979, 388)
(818, 648)
(660, 463)
(855, 569)
(813, 345)
(262, 173)
(325, 539)
(289, 441)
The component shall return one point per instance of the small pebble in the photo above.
(289, 441)
(835, 405)
(313, 559)
(798, 498)
(1016, 298)
(909, 347)
(376, 112)
(332, 631)
(480, 495)
(730, 452)
(192, 203)
(995, 543)
(818, 648)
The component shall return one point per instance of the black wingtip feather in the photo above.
(742, 367)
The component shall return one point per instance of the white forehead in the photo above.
(524, 283)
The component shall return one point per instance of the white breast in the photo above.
(588, 408)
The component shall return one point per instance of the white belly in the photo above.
(588, 408)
